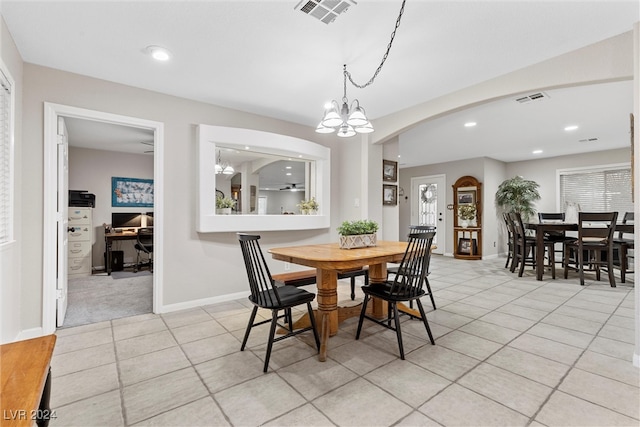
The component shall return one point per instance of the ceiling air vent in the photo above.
(588, 140)
(533, 97)
(324, 10)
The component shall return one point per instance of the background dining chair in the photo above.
(594, 245)
(623, 244)
(144, 245)
(525, 247)
(559, 237)
(407, 285)
(264, 294)
(511, 245)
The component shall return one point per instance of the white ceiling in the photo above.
(265, 57)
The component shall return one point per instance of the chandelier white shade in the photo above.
(223, 168)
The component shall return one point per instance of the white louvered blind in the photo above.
(601, 190)
(6, 161)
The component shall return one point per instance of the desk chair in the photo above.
(264, 294)
(595, 240)
(144, 245)
(406, 286)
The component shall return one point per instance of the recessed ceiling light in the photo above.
(288, 167)
(537, 151)
(570, 128)
(159, 53)
(288, 174)
(470, 124)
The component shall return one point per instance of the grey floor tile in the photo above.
(351, 405)
(74, 342)
(490, 331)
(148, 398)
(144, 327)
(566, 410)
(417, 419)
(573, 323)
(618, 333)
(529, 365)
(185, 317)
(134, 319)
(259, 391)
(621, 322)
(450, 320)
(522, 311)
(603, 391)
(197, 331)
(79, 360)
(582, 313)
(465, 309)
(549, 349)
(609, 367)
(152, 365)
(230, 370)
(470, 345)
(144, 344)
(203, 412)
(442, 361)
(591, 305)
(99, 411)
(211, 348)
(306, 415)
(63, 332)
(561, 335)
(84, 384)
(459, 406)
(362, 358)
(407, 382)
(511, 390)
(614, 348)
(312, 378)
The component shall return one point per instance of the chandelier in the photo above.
(223, 168)
(351, 119)
(346, 120)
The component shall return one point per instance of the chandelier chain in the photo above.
(384, 57)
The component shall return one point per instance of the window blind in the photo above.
(6, 161)
(601, 190)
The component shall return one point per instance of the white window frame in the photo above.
(585, 169)
(10, 181)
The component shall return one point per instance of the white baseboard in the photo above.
(30, 333)
(204, 301)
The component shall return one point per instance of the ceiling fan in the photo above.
(292, 187)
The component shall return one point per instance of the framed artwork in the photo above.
(466, 197)
(464, 246)
(131, 192)
(389, 170)
(389, 194)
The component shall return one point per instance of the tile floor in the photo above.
(509, 351)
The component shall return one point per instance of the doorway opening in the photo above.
(428, 203)
(55, 283)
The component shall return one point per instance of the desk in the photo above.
(561, 226)
(328, 259)
(109, 238)
(26, 381)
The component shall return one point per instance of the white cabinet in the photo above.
(80, 242)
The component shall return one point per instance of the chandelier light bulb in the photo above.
(367, 128)
(346, 131)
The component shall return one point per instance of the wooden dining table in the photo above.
(542, 228)
(328, 260)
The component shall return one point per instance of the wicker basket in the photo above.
(357, 241)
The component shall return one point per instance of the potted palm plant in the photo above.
(357, 234)
(518, 195)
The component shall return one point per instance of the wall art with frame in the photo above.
(131, 192)
(389, 170)
(390, 195)
(464, 246)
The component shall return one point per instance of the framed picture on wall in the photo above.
(389, 194)
(464, 246)
(389, 170)
(131, 192)
(466, 197)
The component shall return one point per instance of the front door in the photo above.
(428, 203)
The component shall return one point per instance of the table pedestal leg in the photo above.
(327, 282)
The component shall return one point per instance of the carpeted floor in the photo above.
(100, 297)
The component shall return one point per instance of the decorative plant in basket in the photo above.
(357, 234)
(308, 207)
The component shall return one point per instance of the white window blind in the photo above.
(6, 161)
(598, 190)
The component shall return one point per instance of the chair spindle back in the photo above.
(263, 291)
(414, 265)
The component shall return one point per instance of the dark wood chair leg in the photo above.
(312, 318)
(249, 326)
(396, 317)
(362, 313)
(272, 333)
(424, 320)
